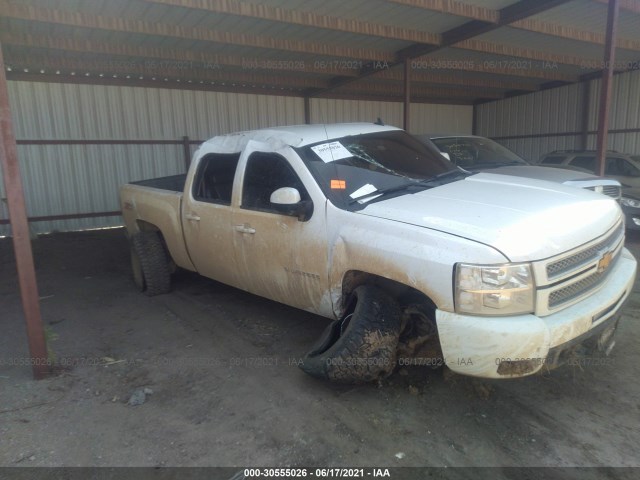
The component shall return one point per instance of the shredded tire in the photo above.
(150, 264)
(361, 347)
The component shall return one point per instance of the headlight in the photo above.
(506, 289)
(630, 202)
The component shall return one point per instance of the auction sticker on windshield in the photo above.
(330, 152)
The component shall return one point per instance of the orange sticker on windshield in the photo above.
(338, 185)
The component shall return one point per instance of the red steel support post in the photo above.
(605, 89)
(20, 230)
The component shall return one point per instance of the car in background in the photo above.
(475, 153)
(620, 166)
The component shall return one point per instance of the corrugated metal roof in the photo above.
(376, 11)
(314, 33)
(591, 16)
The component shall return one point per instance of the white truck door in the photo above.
(206, 217)
(280, 255)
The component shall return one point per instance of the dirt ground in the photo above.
(226, 389)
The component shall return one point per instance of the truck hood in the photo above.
(524, 219)
(559, 175)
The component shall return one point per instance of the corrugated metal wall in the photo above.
(425, 118)
(334, 111)
(71, 179)
(548, 111)
(624, 113)
(560, 110)
(428, 118)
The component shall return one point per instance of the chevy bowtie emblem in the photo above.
(604, 261)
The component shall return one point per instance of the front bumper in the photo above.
(516, 346)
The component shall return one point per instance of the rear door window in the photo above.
(214, 178)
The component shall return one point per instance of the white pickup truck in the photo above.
(415, 260)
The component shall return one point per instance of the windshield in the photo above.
(356, 170)
(477, 152)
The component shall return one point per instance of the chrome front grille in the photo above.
(590, 254)
(566, 279)
(612, 191)
(575, 290)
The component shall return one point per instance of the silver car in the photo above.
(475, 153)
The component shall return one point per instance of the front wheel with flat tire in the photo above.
(361, 347)
(150, 264)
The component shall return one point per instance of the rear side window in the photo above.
(553, 160)
(265, 173)
(588, 162)
(214, 178)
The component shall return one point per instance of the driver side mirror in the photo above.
(287, 200)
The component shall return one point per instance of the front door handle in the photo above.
(245, 229)
(192, 217)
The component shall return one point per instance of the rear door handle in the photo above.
(192, 217)
(245, 229)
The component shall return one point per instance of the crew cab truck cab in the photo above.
(413, 259)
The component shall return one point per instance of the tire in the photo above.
(150, 264)
(361, 347)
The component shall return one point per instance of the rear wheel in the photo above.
(361, 347)
(150, 264)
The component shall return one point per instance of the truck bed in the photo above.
(157, 202)
(174, 183)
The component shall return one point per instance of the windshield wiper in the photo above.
(387, 191)
(446, 177)
(430, 182)
(497, 164)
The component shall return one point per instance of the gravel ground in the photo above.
(214, 372)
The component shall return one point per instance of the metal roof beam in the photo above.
(459, 80)
(121, 82)
(519, 52)
(201, 59)
(95, 67)
(305, 18)
(419, 90)
(466, 31)
(398, 98)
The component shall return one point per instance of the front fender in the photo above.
(417, 257)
